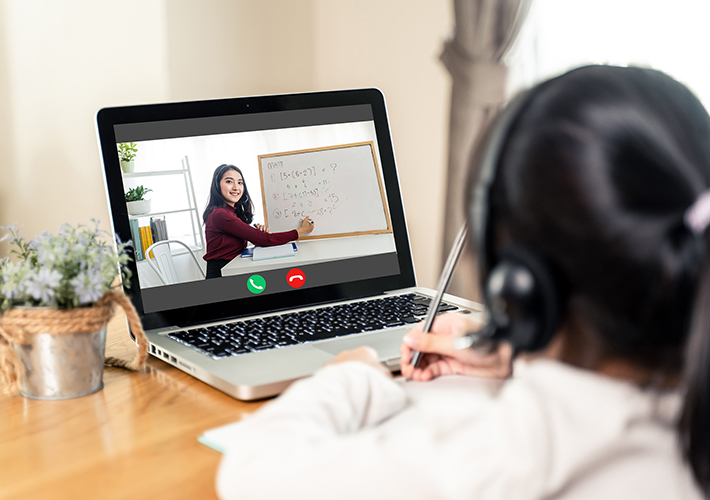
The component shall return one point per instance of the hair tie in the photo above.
(697, 217)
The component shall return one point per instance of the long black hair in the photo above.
(244, 208)
(597, 173)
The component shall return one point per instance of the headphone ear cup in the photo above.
(523, 300)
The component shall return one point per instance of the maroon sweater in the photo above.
(227, 235)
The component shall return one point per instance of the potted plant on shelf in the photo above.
(126, 155)
(56, 299)
(136, 202)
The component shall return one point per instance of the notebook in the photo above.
(266, 323)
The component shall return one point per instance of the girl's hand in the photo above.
(260, 227)
(306, 227)
(440, 358)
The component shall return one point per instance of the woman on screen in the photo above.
(228, 218)
(604, 175)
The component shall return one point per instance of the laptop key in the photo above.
(286, 342)
(261, 347)
(234, 351)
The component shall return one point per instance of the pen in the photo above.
(444, 280)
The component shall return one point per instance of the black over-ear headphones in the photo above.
(520, 290)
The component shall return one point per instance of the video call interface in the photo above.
(320, 163)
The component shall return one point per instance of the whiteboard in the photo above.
(339, 187)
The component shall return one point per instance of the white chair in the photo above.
(163, 264)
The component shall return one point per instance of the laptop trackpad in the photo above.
(385, 343)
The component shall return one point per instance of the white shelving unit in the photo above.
(198, 239)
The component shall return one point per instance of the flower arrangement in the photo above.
(127, 151)
(71, 269)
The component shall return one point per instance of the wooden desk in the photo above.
(136, 438)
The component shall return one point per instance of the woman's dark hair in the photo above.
(598, 170)
(244, 208)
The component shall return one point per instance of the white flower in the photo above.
(42, 284)
(8, 289)
(88, 287)
(47, 256)
(67, 270)
(12, 277)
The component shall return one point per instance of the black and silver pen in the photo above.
(444, 280)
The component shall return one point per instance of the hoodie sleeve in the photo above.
(293, 447)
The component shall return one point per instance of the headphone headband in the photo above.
(520, 291)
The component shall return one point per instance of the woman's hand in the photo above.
(260, 227)
(364, 354)
(440, 358)
(306, 226)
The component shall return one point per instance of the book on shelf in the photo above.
(146, 239)
(159, 229)
(136, 237)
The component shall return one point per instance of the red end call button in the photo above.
(295, 278)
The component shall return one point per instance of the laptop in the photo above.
(269, 321)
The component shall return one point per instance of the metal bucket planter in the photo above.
(59, 354)
(61, 366)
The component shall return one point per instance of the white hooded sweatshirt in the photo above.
(550, 431)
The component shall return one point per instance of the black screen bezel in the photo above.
(107, 118)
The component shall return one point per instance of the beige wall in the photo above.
(395, 46)
(62, 66)
(62, 61)
(227, 48)
(7, 157)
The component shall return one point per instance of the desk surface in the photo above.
(136, 438)
(315, 251)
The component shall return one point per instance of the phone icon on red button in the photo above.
(295, 278)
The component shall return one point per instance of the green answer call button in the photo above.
(256, 283)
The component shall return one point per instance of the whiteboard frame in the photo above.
(326, 148)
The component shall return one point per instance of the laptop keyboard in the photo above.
(245, 336)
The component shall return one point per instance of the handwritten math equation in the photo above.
(303, 192)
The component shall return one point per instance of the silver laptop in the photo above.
(276, 314)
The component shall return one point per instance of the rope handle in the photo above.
(138, 363)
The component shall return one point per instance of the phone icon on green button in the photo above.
(256, 284)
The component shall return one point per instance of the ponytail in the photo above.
(694, 424)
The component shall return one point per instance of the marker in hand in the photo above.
(307, 226)
(444, 280)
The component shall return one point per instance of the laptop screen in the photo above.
(323, 158)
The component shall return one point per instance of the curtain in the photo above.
(484, 32)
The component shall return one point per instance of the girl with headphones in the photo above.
(590, 214)
(228, 218)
